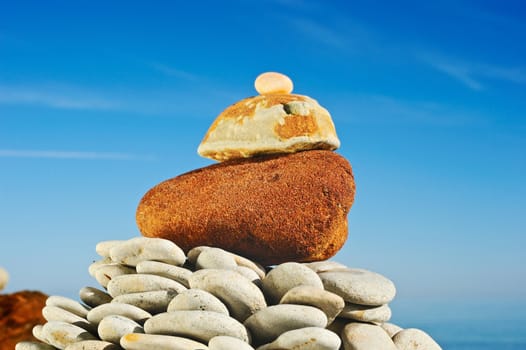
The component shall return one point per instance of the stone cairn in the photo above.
(153, 295)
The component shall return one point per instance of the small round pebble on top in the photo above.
(273, 83)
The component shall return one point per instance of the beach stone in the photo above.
(359, 286)
(200, 325)
(113, 327)
(38, 332)
(391, 328)
(33, 345)
(286, 276)
(364, 313)
(325, 265)
(249, 273)
(93, 297)
(93, 345)
(138, 341)
(55, 313)
(138, 249)
(4, 278)
(242, 297)
(197, 299)
(331, 304)
(94, 266)
(67, 304)
(414, 339)
(153, 301)
(96, 314)
(215, 258)
(241, 261)
(61, 334)
(103, 248)
(176, 273)
(268, 323)
(225, 342)
(365, 336)
(137, 283)
(105, 273)
(193, 253)
(308, 338)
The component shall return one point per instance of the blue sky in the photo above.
(99, 102)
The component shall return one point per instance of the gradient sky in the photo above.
(100, 101)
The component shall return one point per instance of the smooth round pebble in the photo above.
(273, 83)
(4, 278)
(113, 327)
(176, 273)
(139, 282)
(138, 341)
(93, 345)
(55, 313)
(365, 336)
(197, 299)
(308, 338)
(325, 265)
(359, 286)
(224, 342)
(154, 301)
(364, 313)
(33, 345)
(105, 273)
(249, 273)
(103, 248)
(138, 249)
(37, 332)
(200, 325)
(286, 276)
(391, 328)
(94, 266)
(414, 339)
(268, 323)
(331, 304)
(193, 253)
(68, 304)
(242, 297)
(61, 334)
(215, 258)
(93, 297)
(96, 314)
(241, 261)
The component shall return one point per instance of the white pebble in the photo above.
(125, 284)
(103, 248)
(414, 339)
(391, 328)
(93, 345)
(268, 323)
(309, 338)
(365, 336)
(94, 297)
(242, 297)
(33, 345)
(68, 304)
(200, 325)
(96, 314)
(154, 301)
(215, 258)
(138, 341)
(197, 299)
(138, 249)
(176, 273)
(61, 334)
(286, 276)
(55, 313)
(225, 342)
(105, 273)
(113, 327)
(331, 304)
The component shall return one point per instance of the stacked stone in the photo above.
(153, 296)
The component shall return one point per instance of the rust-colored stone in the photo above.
(19, 313)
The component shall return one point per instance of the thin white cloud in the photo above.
(62, 97)
(475, 75)
(52, 154)
(319, 32)
(173, 72)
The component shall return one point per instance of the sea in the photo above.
(466, 324)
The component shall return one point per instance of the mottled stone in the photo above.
(268, 323)
(414, 339)
(197, 299)
(330, 303)
(308, 338)
(200, 325)
(286, 276)
(93, 297)
(138, 341)
(242, 297)
(364, 313)
(365, 336)
(61, 334)
(359, 286)
(138, 283)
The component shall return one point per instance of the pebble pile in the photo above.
(154, 296)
